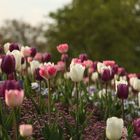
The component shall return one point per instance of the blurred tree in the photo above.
(104, 29)
(23, 33)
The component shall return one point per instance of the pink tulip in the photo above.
(48, 71)
(38, 57)
(132, 75)
(14, 97)
(60, 66)
(63, 48)
(109, 63)
(26, 51)
(88, 63)
(25, 130)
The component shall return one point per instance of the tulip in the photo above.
(100, 66)
(34, 65)
(67, 75)
(37, 75)
(38, 57)
(6, 47)
(122, 89)
(13, 46)
(8, 64)
(25, 130)
(9, 85)
(136, 125)
(94, 76)
(18, 58)
(76, 72)
(60, 66)
(46, 57)
(121, 71)
(26, 51)
(62, 48)
(48, 71)
(33, 51)
(14, 98)
(110, 63)
(83, 57)
(64, 57)
(136, 84)
(88, 63)
(114, 128)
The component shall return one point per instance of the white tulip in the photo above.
(18, 56)
(100, 66)
(131, 81)
(26, 51)
(136, 84)
(6, 47)
(76, 72)
(114, 128)
(94, 76)
(34, 65)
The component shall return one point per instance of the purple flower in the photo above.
(46, 57)
(136, 125)
(33, 51)
(83, 57)
(106, 75)
(37, 75)
(13, 46)
(122, 91)
(8, 64)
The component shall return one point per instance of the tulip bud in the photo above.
(122, 89)
(33, 52)
(114, 128)
(60, 66)
(14, 98)
(83, 57)
(64, 57)
(37, 75)
(6, 47)
(76, 72)
(34, 65)
(62, 48)
(26, 51)
(46, 57)
(136, 125)
(121, 71)
(38, 57)
(13, 46)
(94, 76)
(25, 130)
(8, 64)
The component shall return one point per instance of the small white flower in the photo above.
(94, 76)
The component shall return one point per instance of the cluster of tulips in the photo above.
(78, 82)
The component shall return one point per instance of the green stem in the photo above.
(77, 111)
(14, 125)
(123, 114)
(106, 95)
(49, 102)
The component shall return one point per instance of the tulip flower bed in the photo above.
(77, 99)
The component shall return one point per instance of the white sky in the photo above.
(32, 11)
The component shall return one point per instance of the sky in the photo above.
(32, 11)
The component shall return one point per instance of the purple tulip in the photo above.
(121, 71)
(106, 75)
(33, 51)
(46, 57)
(83, 57)
(122, 91)
(37, 75)
(8, 64)
(13, 46)
(136, 125)
(8, 85)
